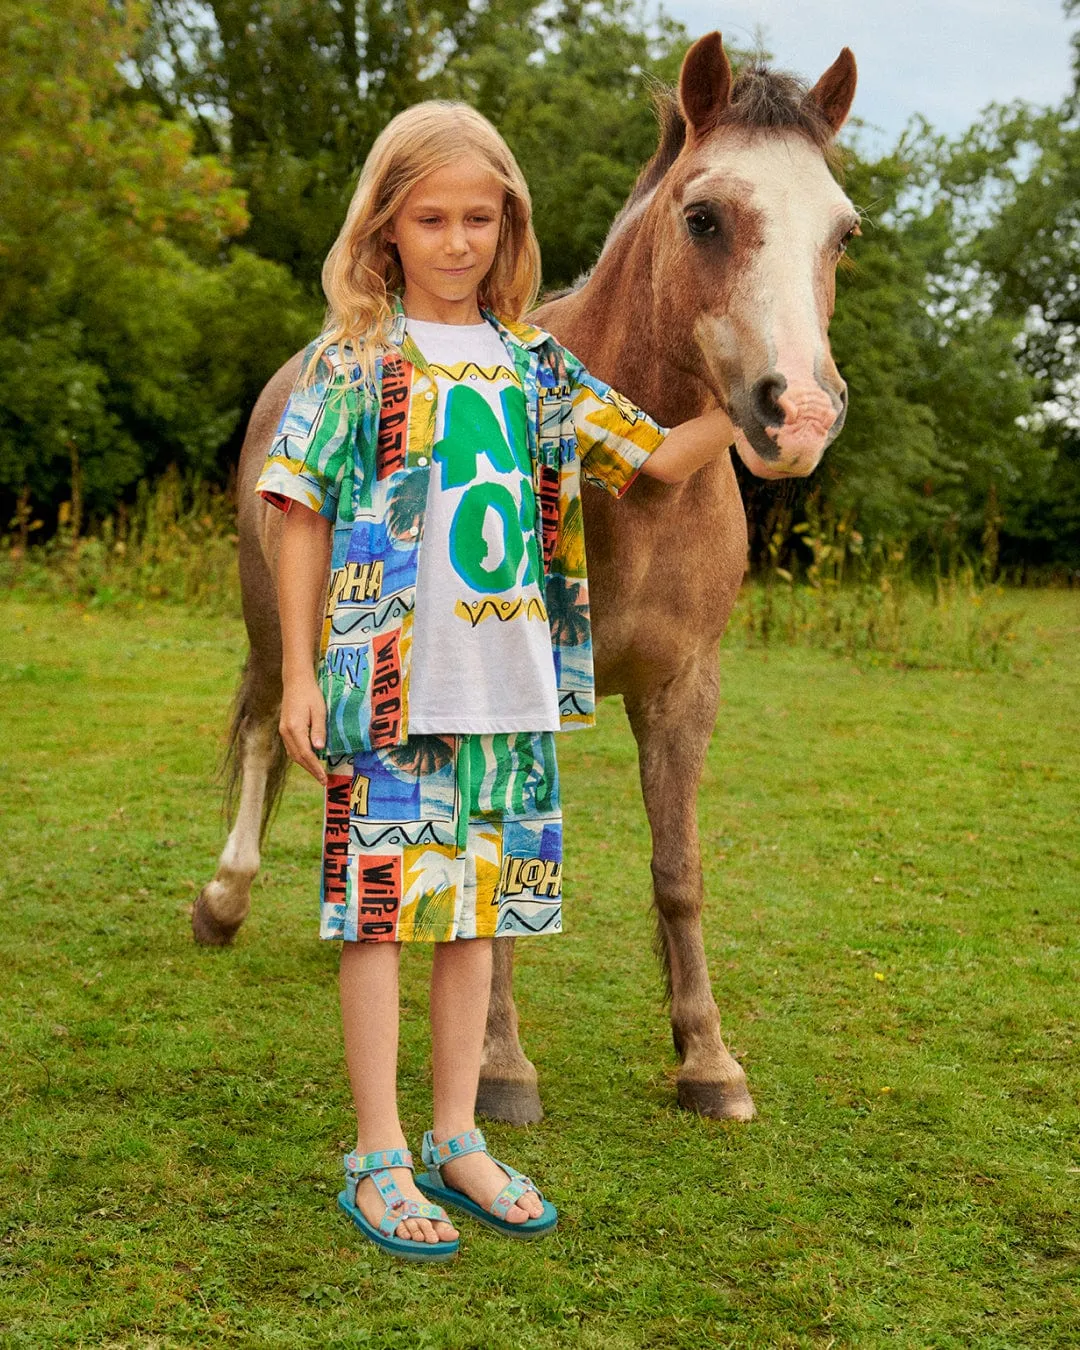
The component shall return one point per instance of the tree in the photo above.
(1016, 176)
(295, 93)
(118, 282)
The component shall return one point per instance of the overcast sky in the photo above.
(946, 59)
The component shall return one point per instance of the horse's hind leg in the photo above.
(507, 1088)
(672, 726)
(256, 763)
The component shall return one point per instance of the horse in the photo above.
(714, 287)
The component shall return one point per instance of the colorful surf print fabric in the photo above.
(443, 837)
(362, 457)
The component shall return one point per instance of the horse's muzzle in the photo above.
(784, 431)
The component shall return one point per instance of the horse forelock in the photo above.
(761, 100)
(767, 100)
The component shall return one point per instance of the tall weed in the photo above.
(839, 592)
(865, 601)
(176, 543)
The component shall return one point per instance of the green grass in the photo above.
(893, 934)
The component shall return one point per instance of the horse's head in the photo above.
(751, 223)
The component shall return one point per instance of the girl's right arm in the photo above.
(302, 567)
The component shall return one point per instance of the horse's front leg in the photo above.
(507, 1088)
(672, 726)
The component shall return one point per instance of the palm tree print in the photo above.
(406, 505)
(419, 756)
(568, 612)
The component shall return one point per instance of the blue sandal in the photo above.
(376, 1166)
(472, 1141)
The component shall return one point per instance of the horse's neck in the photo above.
(614, 324)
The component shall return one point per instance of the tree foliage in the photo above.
(175, 170)
(119, 294)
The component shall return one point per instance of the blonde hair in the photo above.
(362, 271)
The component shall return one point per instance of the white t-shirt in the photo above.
(482, 659)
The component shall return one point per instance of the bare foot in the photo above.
(373, 1207)
(481, 1178)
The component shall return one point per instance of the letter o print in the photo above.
(531, 872)
(468, 547)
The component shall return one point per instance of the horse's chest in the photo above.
(664, 568)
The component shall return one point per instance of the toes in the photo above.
(446, 1231)
(528, 1206)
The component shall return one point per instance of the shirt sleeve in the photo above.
(614, 436)
(309, 454)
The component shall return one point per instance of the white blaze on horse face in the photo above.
(772, 342)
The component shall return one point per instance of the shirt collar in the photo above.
(520, 333)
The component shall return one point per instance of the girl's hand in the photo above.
(303, 725)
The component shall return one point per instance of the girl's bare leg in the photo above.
(369, 1015)
(460, 985)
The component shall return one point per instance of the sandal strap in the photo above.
(377, 1166)
(360, 1164)
(399, 1209)
(512, 1192)
(435, 1155)
(472, 1141)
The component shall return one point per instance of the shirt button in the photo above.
(429, 396)
(413, 531)
(421, 460)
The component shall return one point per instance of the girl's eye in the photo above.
(701, 222)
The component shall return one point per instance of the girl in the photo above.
(430, 461)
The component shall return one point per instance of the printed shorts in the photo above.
(443, 837)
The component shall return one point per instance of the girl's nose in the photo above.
(456, 241)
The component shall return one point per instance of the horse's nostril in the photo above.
(765, 397)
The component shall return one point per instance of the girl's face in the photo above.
(447, 234)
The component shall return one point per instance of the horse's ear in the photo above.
(834, 93)
(705, 83)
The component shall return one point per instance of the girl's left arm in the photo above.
(617, 440)
(689, 446)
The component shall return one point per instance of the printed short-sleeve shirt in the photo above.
(361, 456)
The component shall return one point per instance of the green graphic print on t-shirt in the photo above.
(471, 429)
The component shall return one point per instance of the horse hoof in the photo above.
(509, 1100)
(208, 931)
(718, 1101)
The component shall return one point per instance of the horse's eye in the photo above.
(700, 223)
(848, 237)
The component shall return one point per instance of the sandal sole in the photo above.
(531, 1228)
(404, 1248)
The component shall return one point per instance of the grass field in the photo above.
(893, 933)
